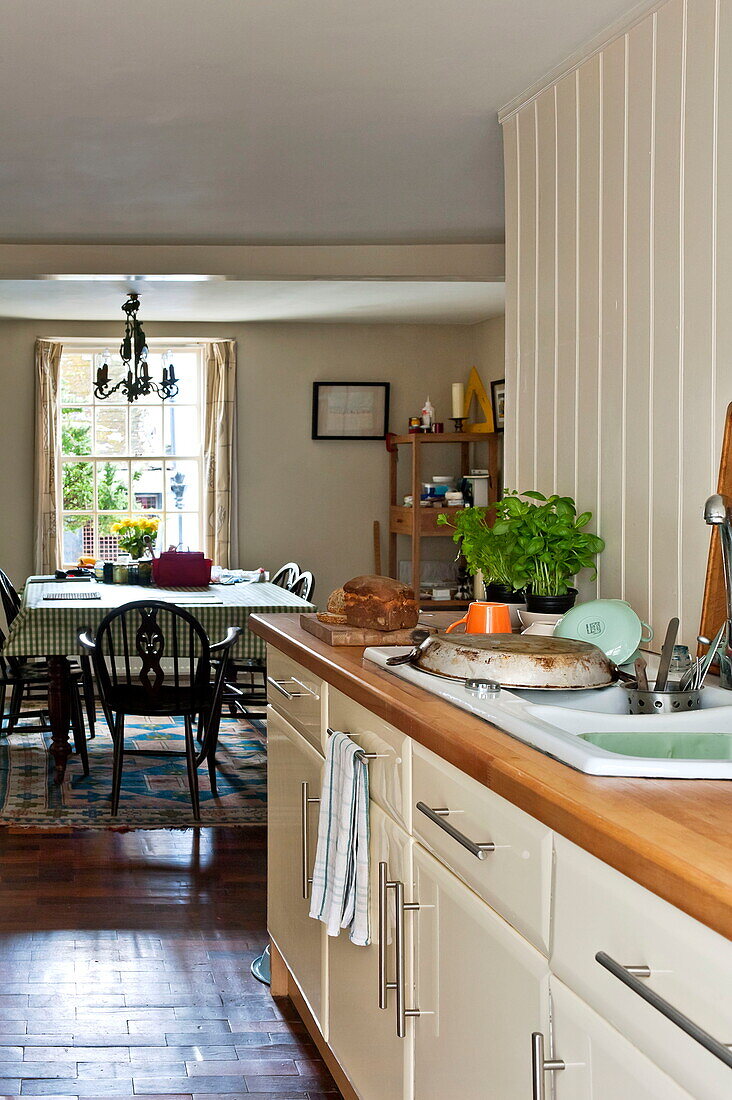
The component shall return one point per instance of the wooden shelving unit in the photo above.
(418, 523)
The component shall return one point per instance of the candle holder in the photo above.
(458, 422)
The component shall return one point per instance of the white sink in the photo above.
(592, 731)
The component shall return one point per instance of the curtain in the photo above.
(219, 454)
(47, 469)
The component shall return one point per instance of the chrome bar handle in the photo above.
(305, 689)
(628, 975)
(305, 801)
(480, 851)
(384, 886)
(540, 1066)
(278, 684)
(402, 1012)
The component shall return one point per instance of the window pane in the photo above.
(181, 430)
(76, 431)
(116, 374)
(181, 529)
(108, 546)
(147, 486)
(76, 383)
(77, 537)
(146, 429)
(112, 486)
(111, 431)
(185, 364)
(181, 486)
(77, 485)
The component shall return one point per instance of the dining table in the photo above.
(53, 614)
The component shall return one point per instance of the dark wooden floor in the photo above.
(124, 963)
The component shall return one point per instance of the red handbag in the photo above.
(181, 568)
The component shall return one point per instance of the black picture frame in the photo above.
(321, 429)
(498, 398)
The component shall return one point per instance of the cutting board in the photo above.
(714, 607)
(336, 634)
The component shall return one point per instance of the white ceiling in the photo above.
(267, 120)
(304, 300)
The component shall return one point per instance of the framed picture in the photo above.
(498, 399)
(350, 410)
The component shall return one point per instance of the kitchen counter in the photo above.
(673, 837)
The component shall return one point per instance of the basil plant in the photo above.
(527, 541)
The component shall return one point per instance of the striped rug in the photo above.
(154, 791)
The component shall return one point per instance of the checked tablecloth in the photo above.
(49, 627)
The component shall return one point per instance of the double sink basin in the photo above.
(592, 731)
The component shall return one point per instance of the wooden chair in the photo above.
(304, 585)
(242, 697)
(127, 653)
(21, 677)
(33, 687)
(286, 575)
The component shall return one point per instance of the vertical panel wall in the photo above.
(619, 334)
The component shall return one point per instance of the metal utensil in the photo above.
(697, 674)
(421, 637)
(666, 654)
(641, 677)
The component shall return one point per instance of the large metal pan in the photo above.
(529, 661)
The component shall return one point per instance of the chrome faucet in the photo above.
(718, 513)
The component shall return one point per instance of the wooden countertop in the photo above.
(672, 836)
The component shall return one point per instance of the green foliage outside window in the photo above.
(78, 479)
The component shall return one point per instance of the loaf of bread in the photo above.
(380, 603)
(336, 604)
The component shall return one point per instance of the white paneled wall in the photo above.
(619, 296)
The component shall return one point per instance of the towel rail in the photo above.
(367, 755)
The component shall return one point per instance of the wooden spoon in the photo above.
(640, 674)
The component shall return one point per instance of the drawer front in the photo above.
(390, 769)
(599, 1062)
(295, 693)
(597, 909)
(515, 877)
(291, 842)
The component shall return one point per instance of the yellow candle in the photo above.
(458, 397)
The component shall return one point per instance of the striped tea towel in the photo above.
(340, 896)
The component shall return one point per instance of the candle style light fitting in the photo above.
(133, 350)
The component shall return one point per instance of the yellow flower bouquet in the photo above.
(132, 534)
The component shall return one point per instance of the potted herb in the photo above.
(485, 551)
(551, 546)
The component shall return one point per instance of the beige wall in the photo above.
(315, 501)
(490, 349)
(619, 268)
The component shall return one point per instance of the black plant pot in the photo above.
(501, 593)
(551, 605)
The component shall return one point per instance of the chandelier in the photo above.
(137, 381)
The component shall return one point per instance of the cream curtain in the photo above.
(219, 453)
(47, 471)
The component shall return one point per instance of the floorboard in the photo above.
(125, 970)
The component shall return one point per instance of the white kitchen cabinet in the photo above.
(599, 910)
(515, 876)
(297, 694)
(295, 772)
(363, 1036)
(599, 1062)
(480, 988)
(390, 781)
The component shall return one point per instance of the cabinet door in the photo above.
(292, 762)
(600, 1063)
(480, 988)
(362, 1036)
